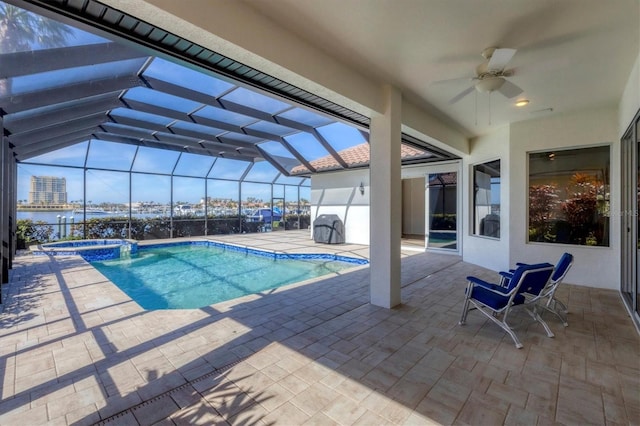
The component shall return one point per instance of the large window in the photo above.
(486, 199)
(569, 196)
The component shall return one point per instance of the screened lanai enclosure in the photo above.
(115, 128)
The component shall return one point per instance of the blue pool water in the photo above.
(191, 276)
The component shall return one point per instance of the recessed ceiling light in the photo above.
(522, 102)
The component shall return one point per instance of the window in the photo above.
(569, 196)
(486, 199)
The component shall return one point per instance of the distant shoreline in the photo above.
(43, 208)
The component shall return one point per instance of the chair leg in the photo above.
(502, 324)
(465, 310)
(513, 336)
(506, 327)
(534, 314)
(557, 308)
(560, 310)
(465, 305)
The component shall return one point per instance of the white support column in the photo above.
(5, 228)
(385, 206)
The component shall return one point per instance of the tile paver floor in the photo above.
(74, 349)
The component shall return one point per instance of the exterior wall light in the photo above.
(361, 188)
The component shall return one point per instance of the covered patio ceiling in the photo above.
(97, 88)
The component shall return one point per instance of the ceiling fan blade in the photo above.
(461, 95)
(451, 80)
(510, 90)
(500, 58)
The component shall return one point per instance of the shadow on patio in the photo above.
(76, 350)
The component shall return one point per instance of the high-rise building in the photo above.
(48, 190)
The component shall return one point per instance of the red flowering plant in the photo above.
(543, 200)
(581, 208)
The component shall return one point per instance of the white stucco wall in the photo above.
(413, 206)
(630, 101)
(339, 193)
(593, 266)
(487, 252)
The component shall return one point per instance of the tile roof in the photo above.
(357, 155)
(443, 179)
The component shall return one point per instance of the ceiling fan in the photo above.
(491, 75)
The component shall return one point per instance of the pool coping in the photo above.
(257, 252)
(97, 252)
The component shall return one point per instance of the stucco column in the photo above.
(386, 210)
(4, 208)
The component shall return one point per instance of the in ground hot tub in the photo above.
(90, 250)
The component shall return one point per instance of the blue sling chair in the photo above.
(522, 288)
(547, 299)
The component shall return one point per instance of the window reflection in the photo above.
(569, 196)
(486, 199)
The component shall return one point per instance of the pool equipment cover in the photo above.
(328, 229)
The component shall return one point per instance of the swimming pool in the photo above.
(196, 274)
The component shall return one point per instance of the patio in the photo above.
(74, 349)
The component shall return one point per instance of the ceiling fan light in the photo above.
(489, 84)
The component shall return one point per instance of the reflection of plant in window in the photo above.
(569, 196)
(581, 208)
(542, 202)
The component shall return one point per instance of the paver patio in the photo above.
(74, 349)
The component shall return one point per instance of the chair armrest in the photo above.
(495, 288)
(505, 278)
(479, 282)
(507, 275)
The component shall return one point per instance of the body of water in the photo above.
(52, 216)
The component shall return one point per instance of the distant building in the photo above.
(48, 190)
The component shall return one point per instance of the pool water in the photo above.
(194, 276)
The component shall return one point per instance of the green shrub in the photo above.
(29, 232)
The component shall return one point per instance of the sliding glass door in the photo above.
(442, 208)
(630, 219)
